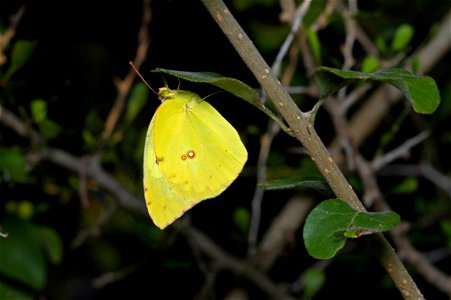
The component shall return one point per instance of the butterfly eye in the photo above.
(190, 154)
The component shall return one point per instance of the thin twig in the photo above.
(351, 25)
(297, 22)
(282, 231)
(366, 42)
(111, 277)
(9, 33)
(256, 203)
(348, 47)
(380, 162)
(287, 8)
(234, 264)
(123, 86)
(436, 177)
(13, 122)
(424, 169)
(419, 262)
(352, 97)
(323, 19)
(95, 230)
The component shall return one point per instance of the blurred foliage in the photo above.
(69, 238)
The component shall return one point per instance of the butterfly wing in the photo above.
(163, 204)
(202, 154)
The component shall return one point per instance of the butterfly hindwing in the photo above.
(163, 204)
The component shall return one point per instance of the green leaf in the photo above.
(25, 209)
(22, 258)
(38, 110)
(13, 165)
(138, 98)
(402, 38)
(49, 129)
(20, 54)
(370, 64)
(331, 222)
(232, 85)
(50, 243)
(307, 184)
(241, 217)
(9, 292)
(381, 45)
(421, 91)
(24, 251)
(315, 45)
(314, 280)
(407, 186)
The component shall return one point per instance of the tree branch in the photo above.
(300, 124)
(234, 264)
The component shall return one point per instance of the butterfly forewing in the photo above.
(203, 152)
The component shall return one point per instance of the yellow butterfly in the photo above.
(191, 154)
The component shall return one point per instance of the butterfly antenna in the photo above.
(142, 78)
(203, 99)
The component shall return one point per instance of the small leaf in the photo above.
(49, 129)
(20, 54)
(232, 85)
(421, 91)
(13, 165)
(333, 221)
(21, 257)
(315, 45)
(370, 64)
(314, 280)
(25, 209)
(402, 38)
(50, 242)
(38, 110)
(308, 184)
(138, 98)
(10, 292)
(241, 217)
(381, 44)
(407, 186)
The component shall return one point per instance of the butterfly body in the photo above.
(191, 154)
